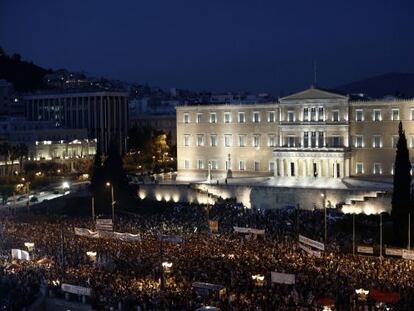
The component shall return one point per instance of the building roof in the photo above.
(313, 93)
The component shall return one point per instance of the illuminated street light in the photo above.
(65, 185)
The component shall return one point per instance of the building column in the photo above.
(327, 173)
(282, 167)
(347, 168)
(304, 168)
(335, 172)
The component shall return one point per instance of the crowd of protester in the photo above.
(130, 274)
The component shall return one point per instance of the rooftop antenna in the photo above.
(314, 73)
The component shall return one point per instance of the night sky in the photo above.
(214, 45)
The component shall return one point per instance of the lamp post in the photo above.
(381, 236)
(353, 234)
(28, 194)
(108, 184)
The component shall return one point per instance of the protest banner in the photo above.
(213, 225)
(20, 254)
(365, 249)
(104, 225)
(282, 278)
(77, 290)
(312, 243)
(249, 230)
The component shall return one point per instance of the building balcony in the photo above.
(326, 148)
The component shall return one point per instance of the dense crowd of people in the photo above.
(131, 273)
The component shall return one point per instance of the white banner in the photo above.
(78, 290)
(312, 243)
(394, 252)
(310, 251)
(104, 225)
(123, 236)
(408, 254)
(282, 278)
(170, 238)
(20, 254)
(249, 230)
(365, 249)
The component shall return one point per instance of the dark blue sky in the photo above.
(214, 45)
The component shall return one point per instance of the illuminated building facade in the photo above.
(310, 134)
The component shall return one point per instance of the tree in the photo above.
(22, 154)
(98, 180)
(5, 153)
(402, 185)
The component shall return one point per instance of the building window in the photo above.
(411, 141)
(227, 140)
(199, 117)
(412, 114)
(394, 141)
(242, 166)
(305, 114)
(200, 164)
(227, 117)
(359, 141)
(256, 141)
(214, 165)
(321, 139)
(359, 115)
(271, 117)
(242, 117)
(335, 115)
(336, 141)
(291, 116)
(256, 166)
(376, 115)
(306, 139)
(186, 164)
(360, 168)
(395, 114)
(272, 167)
(377, 169)
(291, 141)
(256, 116)
(377, 141)
(321, 115)
(200, 140)
(271, 142)
(186, 118)
(186, 140)
(213, 140)
(213, 117)
(313, 114)
(242, 140)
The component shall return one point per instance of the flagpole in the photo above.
(409, 230)
(353, 234)
(380, 235)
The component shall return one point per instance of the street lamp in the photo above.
(108, 184)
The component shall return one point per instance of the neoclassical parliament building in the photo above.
(314, 133)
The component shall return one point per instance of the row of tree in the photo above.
(11, 153)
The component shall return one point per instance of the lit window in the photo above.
(335, 115)
(377, 141)
(213, 140)
(186, 118)
(256, 141)
(256, 117)
(256, 166)
(242, 166)
(291, 116)
(395, 114)
(377, 169)
(360, 168)
(359, 115)
(199, 117)
(271, 116)
(227, 140)
(242, 140)
(242, 117)
(313, 114)
(213, 117)
(200, 140)
(271, 142)
(186, 164)
(227, 117)
(359, 141)
(186, 140)
(376, 115)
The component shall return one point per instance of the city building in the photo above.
(309, 134)
(10, 105)
(104, 114)
(159, 122)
